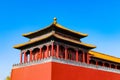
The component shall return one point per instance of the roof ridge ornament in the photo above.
(55, 20)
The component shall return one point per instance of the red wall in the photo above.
(34, 72)
(60, 72)
(68, 72)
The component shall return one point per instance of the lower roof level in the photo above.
(104, 56)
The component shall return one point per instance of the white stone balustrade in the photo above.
(69, 62)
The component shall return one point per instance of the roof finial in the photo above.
(55, 20)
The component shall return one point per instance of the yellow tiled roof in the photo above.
(33, 41)
(57, 36)
(62, 27)
(74, 41)
(104, 56)
(59, 26)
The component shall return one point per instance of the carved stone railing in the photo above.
(69, 62)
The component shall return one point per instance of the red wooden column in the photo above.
(21, 57)
(40, 53)
(77, 55)
(37, 55)
(103, 64)
(96, 63)
(66, 54)
(47, 53)
(83, 56)
(25, 57)
(52, 49)
(30, 55)
(88, 58)
(115, 66)
(109, 65)
(57, 54)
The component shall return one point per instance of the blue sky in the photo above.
(100, 19)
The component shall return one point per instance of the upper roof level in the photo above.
(56, 27)
(57, 31)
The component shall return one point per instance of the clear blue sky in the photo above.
(98, 18)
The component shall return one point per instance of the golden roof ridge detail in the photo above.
(55, 20)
